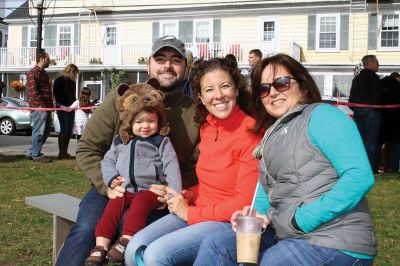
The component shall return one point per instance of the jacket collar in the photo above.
(172, 98)
(234, 120)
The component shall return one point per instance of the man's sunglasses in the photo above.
(281, 84)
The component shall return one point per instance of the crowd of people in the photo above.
(173, 162)
(375, 122)
(42, 93)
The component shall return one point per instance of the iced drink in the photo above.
(248, 237)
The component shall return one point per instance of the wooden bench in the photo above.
(64, 209)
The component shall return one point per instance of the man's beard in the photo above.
(167, 86)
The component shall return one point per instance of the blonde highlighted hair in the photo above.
(70, 71)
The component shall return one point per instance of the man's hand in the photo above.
(115, 190)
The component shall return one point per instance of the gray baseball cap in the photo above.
(169, 41)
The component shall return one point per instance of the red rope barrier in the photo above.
(369, 105)
(47, 109)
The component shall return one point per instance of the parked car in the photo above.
(12, 120)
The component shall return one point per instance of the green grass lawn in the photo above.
(25, 232)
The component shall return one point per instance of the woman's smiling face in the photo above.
(218, 93)
(279, 103)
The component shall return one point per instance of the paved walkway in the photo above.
(18, 145)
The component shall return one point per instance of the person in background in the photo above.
(64, 94)
(226, 170)
(389, 130)
(187, 82)
(232, 58)
(142, 155)
(366, 89)
(167, 64)
(312, 182)
(255, 56)
(38, 88)
(81, 115)
(2, 86)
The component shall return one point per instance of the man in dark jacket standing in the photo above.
(366, 89)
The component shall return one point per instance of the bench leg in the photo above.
(61, 228)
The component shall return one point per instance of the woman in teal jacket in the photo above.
(314, 174)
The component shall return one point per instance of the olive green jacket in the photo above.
(104, 125)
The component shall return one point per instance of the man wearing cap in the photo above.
(167, 64)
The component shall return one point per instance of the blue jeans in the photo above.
(368, 122)
(66, 120)
(81, 239)
(40, 131)
(220, 250)
(170, 241)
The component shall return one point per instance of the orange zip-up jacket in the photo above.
(226, 169)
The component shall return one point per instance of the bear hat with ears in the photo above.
(136, 98)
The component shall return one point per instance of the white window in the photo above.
(64, 34)
(111, 35)
(389, 34)
(333, 84)
(341, 85)
(169, 27)
(32, 36)
(202, 31)
(328, 32)
(96, 89)
(268, 30)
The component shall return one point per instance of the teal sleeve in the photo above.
(337, 136)
(261, 202)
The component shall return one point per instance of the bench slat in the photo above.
(60, 204)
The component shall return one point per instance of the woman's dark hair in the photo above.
(243, 99)
(232, 58)
(307, 86)
(84, 98)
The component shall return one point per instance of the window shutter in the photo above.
(186, 31)
(216, 30)
(311, 32)
(50, 35)
(344, 32)
(156, 30)
(372, 28)
(24, 36)
(76, 34)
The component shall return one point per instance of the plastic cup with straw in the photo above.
(248, 235)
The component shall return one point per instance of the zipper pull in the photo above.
(216, 136)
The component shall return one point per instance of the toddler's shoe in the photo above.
(98, 257)
(116, 254)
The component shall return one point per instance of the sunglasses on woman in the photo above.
(280, 84)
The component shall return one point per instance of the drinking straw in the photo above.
(254, 199)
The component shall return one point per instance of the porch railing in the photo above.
(125, 55)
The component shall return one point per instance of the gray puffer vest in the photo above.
(298, 173)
